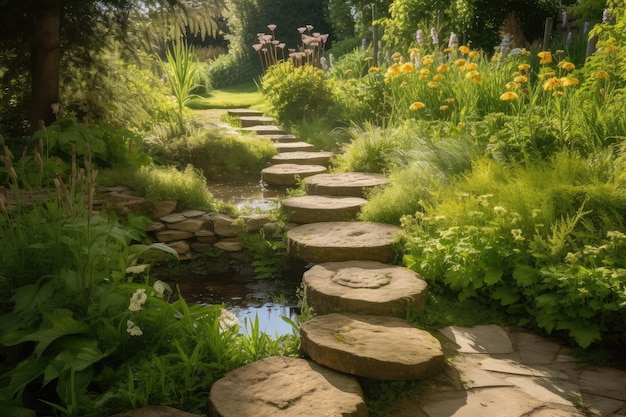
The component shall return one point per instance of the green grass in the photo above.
(240, 96)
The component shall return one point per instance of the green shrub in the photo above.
(296, 93)
(229, 70)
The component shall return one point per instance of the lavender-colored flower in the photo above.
(434, 36)
(504, 45)
(564, 18)
(419, 36)
(586, 27)
(454, 41)
(606, 16)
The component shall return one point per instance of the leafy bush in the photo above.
(229, 70)
(296, 93)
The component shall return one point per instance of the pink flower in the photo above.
(282, 45)
(316, 34)
(309, 28)
(302, 29)
(324, 37)
(257, 47)
(271, 27)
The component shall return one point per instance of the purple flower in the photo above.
(454, 41)
(419, 36)
(606, 16)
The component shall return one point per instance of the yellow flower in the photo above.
(438, 77)
(473, 54)
(472, 75)
(443, 108)
(511, 86)
(570, 81)
(567, 66)
(520, 79)
(375, 70)
(348, 72)
(428, 59)
(559, 51)
(525, 52)
(433, 84)
(416, 106)
(471, 66)
(393, 70)
(459, 62)
(407, 67)
(610, 48)
(450, 100)
(460, 125)
(523, 67)
(546, 57)
(442, 68)
(413, 52)
(552, 84)
(602, 75)
(508, 96)
(464, 49)
(448, 49)
(396, 56)
(478, 79)
(424, 71)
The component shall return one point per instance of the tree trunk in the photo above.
(45, 62)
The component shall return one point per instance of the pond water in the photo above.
(244, 295)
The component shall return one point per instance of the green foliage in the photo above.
(182, 72)
(296, 93)
(230, 69)
(219, 156)
(269, 253)
(188, 187)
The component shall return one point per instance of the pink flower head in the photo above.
(267, 38)
(257, 47)
(291, 50)
(309, 28)
(302, 29)
(275, 42)
(316, 34)
(282, 45)
(271, 27)
(324, 37)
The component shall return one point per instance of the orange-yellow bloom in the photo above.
(448, 49)
(546, 57)
(442, 68)
(508, 96)
(511, 85)
(566, 82)
(602, 75)
(610, 48)
(416, 106)
(438, 77)
(393, 70)
(473, 54)
(433, 84)
(413, 52)
(375, 70)
(443, 108)
(472, 74)
(424, 71)
(471, 66)
(459, 62)
(520, 79)
(567, 66)
(464, 49)
(428, 59)
(407, 67)
(523, 67)
(552, 84)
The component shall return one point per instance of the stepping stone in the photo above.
(353, 184)
(250, 121)
(363, 287)
(379, 347)
(282, 138)
(342, 241)
(294, 147)
(265, 130)
(243, 112)
(303, 158)
(289, 174)
(322, 208)
(286, 387)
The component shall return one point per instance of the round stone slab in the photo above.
(363, 287)
(286, 387)
(249, 121)
(288, 174)
(353, 184)
(377, 347)
(322, 208)
(342, 241)
(303, 158)
(282, 147)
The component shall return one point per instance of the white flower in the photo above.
(499, 209)
(161, 287)
(137, 300)
(133, 329)
(227, 320)
(517, 235)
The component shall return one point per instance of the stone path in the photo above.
(485, 371)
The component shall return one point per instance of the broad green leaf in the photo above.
(506, 295)
(583, 332)
(493, 275)
(20, 376)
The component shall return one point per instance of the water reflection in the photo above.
(252, 194)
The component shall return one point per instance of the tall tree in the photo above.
(44, 30)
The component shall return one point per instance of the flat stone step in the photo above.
(286, 387)
(379, 347)
(289, 174)
(250, 121)
(342, 241)
(282, 147)
(244, 112)
(322, 208)
(265, 130)
(363, 287)
(353, 184)
(303, 158)
(282, 138)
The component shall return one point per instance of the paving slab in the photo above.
(353, 184)
(322, 208)
(289, 174)
(479, 339)
(285, 147)
(265, 130)
(606, 382)
(250, 121)
(303, 158)
(243, 112)
(535, 349)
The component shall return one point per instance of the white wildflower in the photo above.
(517, 235)
(137, 300)
(161, 287)
(227, 320)
(133, 329)
(499, 209)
